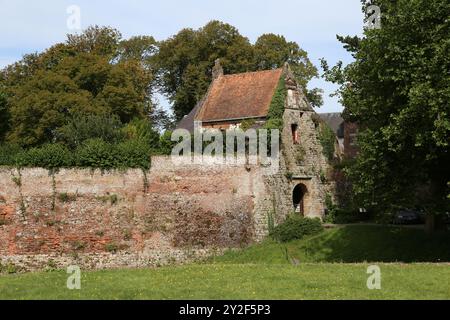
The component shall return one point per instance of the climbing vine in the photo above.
(276, 108)
(327, 140)
(18, 181)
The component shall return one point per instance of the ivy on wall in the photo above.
(327, 140)
(276, 108)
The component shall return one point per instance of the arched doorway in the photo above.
(298, 198)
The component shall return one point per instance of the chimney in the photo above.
(217, 70)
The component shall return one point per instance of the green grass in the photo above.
(246, 281)
(264, 271)
(350, 244)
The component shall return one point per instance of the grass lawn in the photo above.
(264, 272)
(351, 244)
(244, 281)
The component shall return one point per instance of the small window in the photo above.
(294, 130)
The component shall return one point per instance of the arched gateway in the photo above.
(298, 198)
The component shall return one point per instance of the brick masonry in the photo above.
(131, 218)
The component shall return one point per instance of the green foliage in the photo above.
(98, 86)
(273, 124)
(244, 281)
(111, 247)
(329, 202)
(67, 197)
(142, 130)
(272, 51)
(111, 198)
(397, 90)
(322, 176)
(4, 114)
(8, 154)
(93, 153)
(9, 268)
(340, 216)
(327, 139)
(247, 124)
(343, 215)
(314, 97)
(350, 244)
(92, 73)
(49, 156)
(184, 61)
(165, 143)
(17, 180)
(133, 154)
(289, 175)
(296, 227)
(276, 108)
(84, 127)
(300, 154)
(3, 221)
(96, 153)
(270, 221)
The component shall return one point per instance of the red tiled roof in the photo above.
(239, 96)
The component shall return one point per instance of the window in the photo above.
(294, 130)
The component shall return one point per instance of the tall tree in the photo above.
(398, 91)
(185, 61)
(4, 114)
(272, 51)
(95, 72)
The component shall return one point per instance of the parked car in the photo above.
(407, 216)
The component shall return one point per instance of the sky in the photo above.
(32, 26)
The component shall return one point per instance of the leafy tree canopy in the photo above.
(95, 72)
(398, 91)
(99, 74)
(184, 61)
(4, 115)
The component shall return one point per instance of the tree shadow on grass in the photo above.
(377, 244)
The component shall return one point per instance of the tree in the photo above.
(273, 51)
(398, 91)
(184, 62)
(103, 41)
(4, 114)
(94, 73)
(139, 48)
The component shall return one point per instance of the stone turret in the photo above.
(303, 159)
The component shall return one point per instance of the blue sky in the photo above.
(29, 26)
